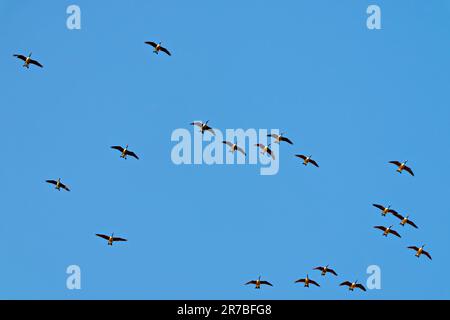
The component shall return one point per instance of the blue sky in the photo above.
(352, 97)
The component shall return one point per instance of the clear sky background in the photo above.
(353, 98)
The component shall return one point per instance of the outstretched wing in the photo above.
(132, 154)
(119, 239)
(314, 283)
(208, 128)
(332, 271)
(398, 164)
(427, 254)
(412, 224)
(269, 151)
(117, 148)
(228, 143)
(153, 44)
(413, 248)
(379, 206)
(51, 181)
(165, 50)
(267, 283)
(273, 135)
(346, 283)
(241, 150)
(398, 215)
(251, 282)
(260, 145)
(21, 57)
(360, 286)
(314, 163)
(318, 268)
(62, 185)
(300, 280)
(395, 233)
(198, 124)
(102, 236)
(36, 63)
(301, 156)
(408, 169)
(380, 227)
(286, 140)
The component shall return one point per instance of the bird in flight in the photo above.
(110, 238)
(259, 282)
(279, 137)
(307, 160)
(157, 47)
(384, 210)
(28, 61)
(125, 152)
(405, 220)
(307, 281)
(203, 127)
(266, 149)
(234, 147)
(58, 184)
(420, 251)
(402, 166)
(352, 285)
(325, 269)
(386, 231)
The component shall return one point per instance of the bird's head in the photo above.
(390, 227)
(126, 147)
(30, 54)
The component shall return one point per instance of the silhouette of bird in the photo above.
(420, 251)
(110, 238)
(402, 166)
(325, 269)
(307, 160)
(386, 231)
(258, 283)
(28, 60)
(125, 152)
(157, 47)
(384, 210)
(307, 281)
(58, 184)
(352, 285)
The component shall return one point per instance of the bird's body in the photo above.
(279, 138)
(420, 251)
(259, 282)
(402, 166)
(353, 285)
(326, 269)
(384, 210)
(307, 281)
(157, 47)
(203, 127)
(234, 147)
(265, 149)
(387, 231)
(58, 184)
(307, 159)
(27, 60)
(124, 152)
(111, 239)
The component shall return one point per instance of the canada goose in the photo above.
(203, 127)
(266, 149)
(420, 251)
(352, 285)
(386, 231)
(111, 238)
(384, 210)
(405, 220)
(125, 152)
(234, 147)
(402, 166)
(307, 160)
(28, 61)
(258, 283)
(325, 270)
(157, 47)
(307, 281)
(279, 137)
(58, 184)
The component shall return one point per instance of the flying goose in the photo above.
(157, 47)
(386, 231)
(279, 137)
(307, 160)
(420, 251)
(58, 184)
(28, 61)
(402, 166)
(258, 283)
(307, 281)
(325, 270)
(110, 239)
(266, 149)
(234, 147)
(125, 152)
(203, 127)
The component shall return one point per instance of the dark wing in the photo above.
(153, 44)
(398, 215)
(358, 285)
(270, 153)
(119, 239)
(36, 63)
(408, 169)
(300, 280)
(102, 236)
(241, 150)
(286, 140)
(395, 233)
(117, 148)
(398, 164)
(21, 57)
(260, 145)
(346, 283)
(301, 156)
(132, 154)
(208, 128)
(379, 206)
(318, 268)
(380, 227)
(64, 186)
(313, 163)
(427, 254)
(393, 212)
(51, 181)
(251, 282)
(198, 124)
(314, 283)
(413, 248)
(332, 271)
(412, 224)
(267, 283)
(165, 50)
